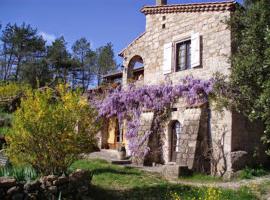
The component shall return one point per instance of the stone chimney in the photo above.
(161, 2)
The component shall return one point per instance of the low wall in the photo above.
(74, 186)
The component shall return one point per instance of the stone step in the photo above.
(175, 171)
(121, 162)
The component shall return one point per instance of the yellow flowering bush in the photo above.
(51, 128)
(11, 89)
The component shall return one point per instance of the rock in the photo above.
(239, 159)
(61, 180)
(18, 196)
(81, 175)
(53, 189)
(51, 178)
(7, 182)
(2, 193)
(35, 185)
(77, 184)
(173, 171)
(13, 190)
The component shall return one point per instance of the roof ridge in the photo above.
(193, 3)
(188, 7)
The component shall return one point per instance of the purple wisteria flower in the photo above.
(129, 103)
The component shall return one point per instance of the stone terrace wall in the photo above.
(74, 186)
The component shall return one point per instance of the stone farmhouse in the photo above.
(181, 40)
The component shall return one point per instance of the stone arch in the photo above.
(175, 129)
(136, 68)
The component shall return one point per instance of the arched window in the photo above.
(136, 68)
(174, 139)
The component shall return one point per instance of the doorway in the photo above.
(175, 136)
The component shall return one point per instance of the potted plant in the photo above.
(122, 152)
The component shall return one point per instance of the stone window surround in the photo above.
(174, 57)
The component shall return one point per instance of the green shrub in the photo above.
(4, 130)
(249, 173)
(51, 129)
(19, 173)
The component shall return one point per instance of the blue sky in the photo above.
(100, 21)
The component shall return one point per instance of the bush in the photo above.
(10, 93)
(249, 173)
(50, 130)
(11, 89)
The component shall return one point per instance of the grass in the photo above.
(19, 173)
(197, 177)
(249, 173)
(117, 182)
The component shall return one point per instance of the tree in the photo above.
(85, 59)
(105, 61)
(59, 59)
(250, 60)
(19, 45)
(36, 73)
(50, 130)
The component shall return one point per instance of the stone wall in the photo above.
(215, 53)
(247, 147)
(74, 186)
(216, 44)
(220, 129)
(225, 129)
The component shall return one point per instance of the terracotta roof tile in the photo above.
(194, 7)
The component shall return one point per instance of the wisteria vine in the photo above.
(129, 103)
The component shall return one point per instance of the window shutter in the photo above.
(195, 50)
(167, 58)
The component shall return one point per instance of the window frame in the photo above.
(175, 44)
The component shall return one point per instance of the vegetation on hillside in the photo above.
(25, 57)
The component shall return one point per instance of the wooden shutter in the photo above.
(195, 50)
(167, 58)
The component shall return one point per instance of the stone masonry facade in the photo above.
(203, 129)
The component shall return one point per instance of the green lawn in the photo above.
(197, 177)
(117, 182)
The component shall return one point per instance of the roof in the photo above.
(119, 74)
(137, 38)
(191, 7)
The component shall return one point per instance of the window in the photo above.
(183, 55)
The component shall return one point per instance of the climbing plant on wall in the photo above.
(131, 102)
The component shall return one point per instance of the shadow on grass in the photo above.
(114, 171)
(158, 192)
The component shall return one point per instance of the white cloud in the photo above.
(48, 37)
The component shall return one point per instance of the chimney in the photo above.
(161, 2)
